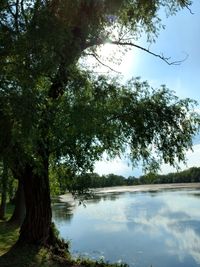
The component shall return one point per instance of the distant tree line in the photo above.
(64, 180)
(191, 175)
(94, 180)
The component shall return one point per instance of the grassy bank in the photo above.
(8, 233)
(30, 256)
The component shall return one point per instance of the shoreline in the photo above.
(132, 188)
(146, 187)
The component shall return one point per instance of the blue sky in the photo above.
(181, 37)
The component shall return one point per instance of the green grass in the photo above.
(8, 233)
(8, 236)
(29, 256)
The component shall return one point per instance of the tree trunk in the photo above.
(20, 208)
(36, 227)
(4, 191)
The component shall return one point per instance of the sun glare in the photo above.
(112, 59)
(107, 50)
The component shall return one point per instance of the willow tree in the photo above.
(58, 110)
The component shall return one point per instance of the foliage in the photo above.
(60, 178)
(81, 183)
(93, 180)
(7, 188)
(191, 175)
(80, 116)
(11, 184)
(9, 211)
(115, 117)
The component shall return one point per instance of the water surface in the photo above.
(158, 228)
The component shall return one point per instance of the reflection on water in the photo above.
(159, 228)
(62, 212)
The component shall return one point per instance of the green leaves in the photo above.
(47, 100)
(98, 114)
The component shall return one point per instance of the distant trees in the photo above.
(62, 180)
(93, 180)
(191, 175)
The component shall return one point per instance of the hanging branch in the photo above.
(187, 6)
(122, 42)
(14, 11)
(98, 59)
(161, 56)
(24, 13)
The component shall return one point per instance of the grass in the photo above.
(30, 256)
(8, 233)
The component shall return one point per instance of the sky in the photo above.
(179, 39)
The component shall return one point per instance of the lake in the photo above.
(158, 228)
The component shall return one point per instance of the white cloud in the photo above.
(181, 241)
(116, 166)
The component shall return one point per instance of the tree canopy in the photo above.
(93, 115)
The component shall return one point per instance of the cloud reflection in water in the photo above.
(158, 228)
(172, 218)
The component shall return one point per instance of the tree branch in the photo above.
(189, 10)
(161, 56)
(23, 12)
(103, 64)
(17, 15)
(125, 42)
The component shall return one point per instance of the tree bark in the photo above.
(4, 191)
(20, 208)
(36, 227)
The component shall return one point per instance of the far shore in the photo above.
(145, 187)
(134, 188)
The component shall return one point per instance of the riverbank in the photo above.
(146, 187)
(133, 188)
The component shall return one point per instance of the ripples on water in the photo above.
(159, 228)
